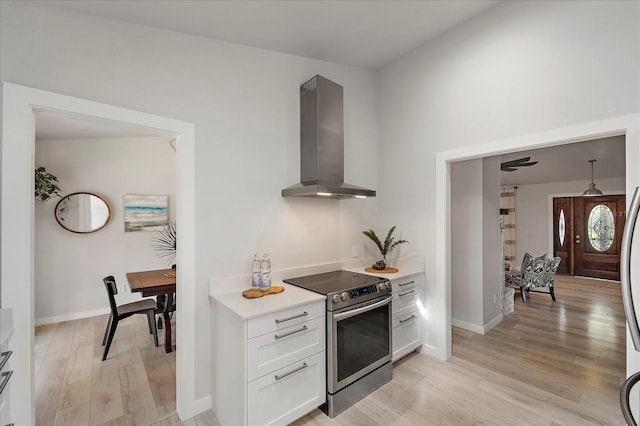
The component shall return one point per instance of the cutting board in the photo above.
(254, 294)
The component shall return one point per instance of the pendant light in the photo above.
(592, 191)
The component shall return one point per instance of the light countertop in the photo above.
(403, 271)
(248, 308)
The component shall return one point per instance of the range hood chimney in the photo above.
(322, 144)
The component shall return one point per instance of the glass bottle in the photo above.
(265, 273)
(255, 273)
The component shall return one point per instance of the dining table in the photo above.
(155, 283)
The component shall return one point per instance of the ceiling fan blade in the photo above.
(508, 169)
(532, 163)
(516, 162)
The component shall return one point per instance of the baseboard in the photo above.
(202, 405)
(467, 326)
(71, 317)
(488, 326)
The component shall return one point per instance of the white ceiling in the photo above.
(362, 33)
(54, 125)
(567, 163)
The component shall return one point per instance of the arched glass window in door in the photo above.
(561, 227)
(601, 227)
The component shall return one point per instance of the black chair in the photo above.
(145, 306)
(162, 301)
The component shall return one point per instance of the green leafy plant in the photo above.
(45, 185)
(165, 242)
(389, 244)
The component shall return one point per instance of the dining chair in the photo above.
(161, 301)
(144, 306)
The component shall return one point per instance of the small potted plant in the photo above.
(386, 247)
(46, 185)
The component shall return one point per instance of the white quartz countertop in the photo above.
(248, 308)
(403, 271)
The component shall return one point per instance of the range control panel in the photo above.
(354, 296)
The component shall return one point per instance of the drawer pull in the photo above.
(403, 284)
(5, 379)
(295, 370)
(407, 293)
(304, 314)
(412, 317)
(5, 357)
(280, 336)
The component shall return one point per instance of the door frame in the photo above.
(440, 291)
(19, 106)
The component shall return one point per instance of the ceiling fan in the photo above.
(512, 166)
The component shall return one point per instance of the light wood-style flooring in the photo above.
(546, 364)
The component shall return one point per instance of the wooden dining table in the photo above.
(154, 283)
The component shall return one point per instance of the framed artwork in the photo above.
(145, 212)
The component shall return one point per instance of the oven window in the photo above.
(362, 340)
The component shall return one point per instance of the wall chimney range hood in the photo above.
(322, 144)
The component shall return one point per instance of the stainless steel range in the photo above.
(358, 334)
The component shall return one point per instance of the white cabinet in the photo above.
(269, 369)
(406, 314)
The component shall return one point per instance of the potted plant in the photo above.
(165, 242)
(386, 247)
(45, 185)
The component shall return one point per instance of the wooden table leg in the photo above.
(167, 324)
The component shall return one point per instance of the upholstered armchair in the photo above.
(536, 274)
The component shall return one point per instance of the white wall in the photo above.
(244, 103)
(519, 68)
(475, 244)
(492, 264)
(69, 264)
(534, 212)
(466, 240)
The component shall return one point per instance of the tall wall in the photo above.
(74, 264)
(520, 68)
(244, 103)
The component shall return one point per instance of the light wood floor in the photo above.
(546, 364)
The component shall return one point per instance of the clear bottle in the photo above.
(265, 273)
(256, 277)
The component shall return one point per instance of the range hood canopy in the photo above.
(322, 144)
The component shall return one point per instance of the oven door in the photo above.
(359, 339)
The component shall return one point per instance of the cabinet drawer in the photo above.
(277, 349)
(405, 298)
(287, 394)
(403, 284)
(406, 334)
(285, 318)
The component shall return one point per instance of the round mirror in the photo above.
(82, 212)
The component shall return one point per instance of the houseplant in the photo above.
(386, 247)
(46, 186)
(165, 242)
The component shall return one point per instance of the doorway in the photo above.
(20, 105)
(587, 235)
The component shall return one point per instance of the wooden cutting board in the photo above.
(382, 271)
(254, 294)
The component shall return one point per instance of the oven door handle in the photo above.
(348, 314)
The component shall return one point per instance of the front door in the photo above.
(587, 234)
(599, 222)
